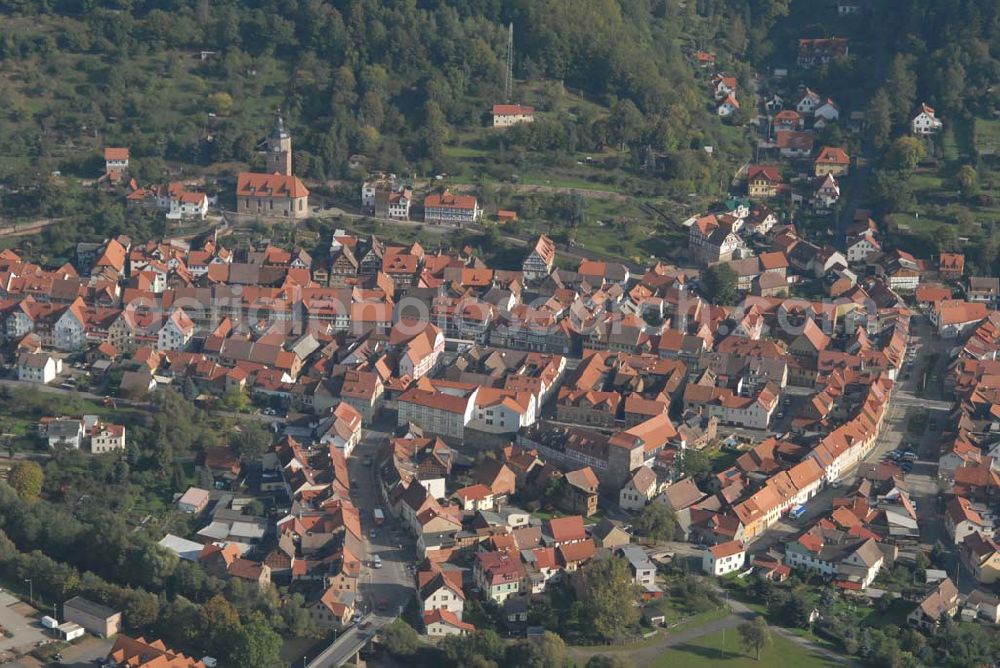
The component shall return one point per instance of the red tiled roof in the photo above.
(769, 172)
(564, 529)
(726, 549)
(832, 155)
(115, 153)
(512, 110)
(447, 200)
(249, 184)
(445, 616)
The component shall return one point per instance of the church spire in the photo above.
(279, 148)
(279, 131)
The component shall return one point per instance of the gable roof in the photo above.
(726, 549)
(249, 184)
(683, 494)
(766, 172)
(115, 153)
(832, 155)
(566, 529)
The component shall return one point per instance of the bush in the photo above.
(400, 639)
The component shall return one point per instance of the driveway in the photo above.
(25, 632)
(83, 653)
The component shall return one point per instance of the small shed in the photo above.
(653, 615)
(69, 631)
(194, 500)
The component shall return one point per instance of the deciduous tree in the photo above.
(718, 283)
(968, 181)
(256, 644)
(400, 639)
(657, 521)
(27, 478)
(755, 635)
(609, 595)
(905, 154)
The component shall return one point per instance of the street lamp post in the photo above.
(722, 652)
(31, 591)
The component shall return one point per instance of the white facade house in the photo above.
(107, 438)
(38, 367)
(439, 623)
(859, 248)
(422, 353)
(828, 111)
(437, 412)
(539, 262)
(723, 558)
(751, 413)
(344, 429)
(728, 107)
(70, 331)
(397, 205)
(809, 103)
(115, 159)
(442, 593)
(66, 433)
(503, 413)
(925, 122)
(506, 115)
(185, 204)
(639, 490)
(176, 331)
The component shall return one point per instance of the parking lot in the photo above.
(24, 631)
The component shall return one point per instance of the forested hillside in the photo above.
(947, 197)
(197, 82)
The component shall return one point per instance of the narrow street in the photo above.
(384, 592)
(904, 405)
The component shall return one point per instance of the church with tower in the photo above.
(278, 193)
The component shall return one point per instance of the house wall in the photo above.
(297, 207)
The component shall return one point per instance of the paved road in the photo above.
(903, 406)
(384, 592)
(24, 631)
(85, 653)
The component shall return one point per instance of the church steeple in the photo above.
(279, 148)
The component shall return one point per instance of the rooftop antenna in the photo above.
(509, 80)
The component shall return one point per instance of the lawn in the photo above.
(895, 616)
(709, 652)
(987, 136)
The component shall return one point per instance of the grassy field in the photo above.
(710, 652)
(986, 134)
(938, 200)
